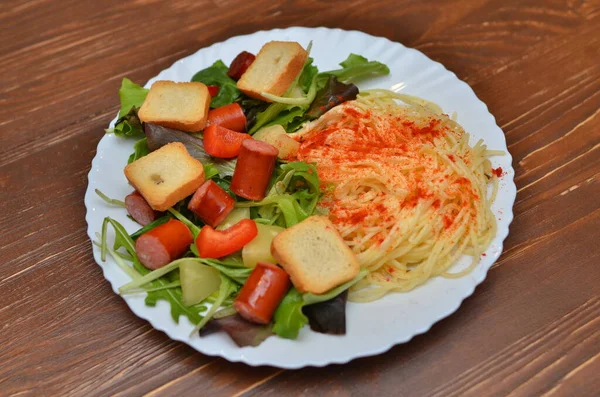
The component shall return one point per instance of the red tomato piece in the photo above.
(222, 142)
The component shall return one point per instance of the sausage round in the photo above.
(253, 169)
(163, 244)
(211, 203)
(262, 293)
(240, 64)
(139, 209)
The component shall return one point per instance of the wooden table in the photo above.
(532, 328)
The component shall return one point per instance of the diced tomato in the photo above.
(213, 243)
(213, 90)
(240, 64)
(222, 142)
(229, 116)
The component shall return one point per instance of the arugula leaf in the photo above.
(288, 318)
(171, 295)
(354, 68)
(140, 149)
(217, 75)
(118, 203)
(150, 226)
(236, 273)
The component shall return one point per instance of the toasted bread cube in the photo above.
(166, 176)
(314, 255)
(274, 69)
(183, 106)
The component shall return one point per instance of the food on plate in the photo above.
(166, 176)
(293, 194)
(198, 282)
(220, 243)
(229, 116)
(240, 64)
(262, 293)
(314, 255)
(222, 142)
(211, 203)
(176, 105)
(275, 135)
(259, 248)
(139, 209)
(410, 193)
(163, 244)
(253, 170)
(276, 66)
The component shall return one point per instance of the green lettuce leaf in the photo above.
(140, 149)
(354, 68)
(132, 97)
(288, 318)
(217, 75)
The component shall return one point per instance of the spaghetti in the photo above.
(404, 188)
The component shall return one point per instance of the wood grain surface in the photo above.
(531, 329)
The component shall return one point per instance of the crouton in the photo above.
(314, 255)
(183, 106)
(166, 176)
(274, 69)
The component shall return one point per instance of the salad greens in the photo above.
(137, 271)
(354, 68)
(132, 96)
(292, 196)
(289, 318)
(217, 75)
(140, 149)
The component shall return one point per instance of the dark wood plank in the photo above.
(531, 329)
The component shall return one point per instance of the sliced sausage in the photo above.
(211, 203)
(240, 64)
(139, 209)
(262, 293)
(253, 169)
(163, 244)
(229, 116)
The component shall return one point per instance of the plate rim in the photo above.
(502, 234)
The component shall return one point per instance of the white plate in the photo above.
(374, 327)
